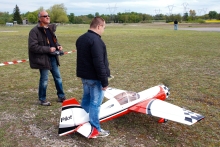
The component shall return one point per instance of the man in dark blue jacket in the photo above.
(93, 69)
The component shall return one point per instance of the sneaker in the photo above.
(45, 103)
(61, 99)
(103, 133)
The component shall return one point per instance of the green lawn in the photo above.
(140, 56)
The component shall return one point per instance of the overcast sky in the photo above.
(84, 7)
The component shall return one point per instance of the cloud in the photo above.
(83, 7)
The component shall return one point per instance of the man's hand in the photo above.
(104, 88)
(52, 49)
(60, 48)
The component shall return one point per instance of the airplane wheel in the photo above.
(162, 120)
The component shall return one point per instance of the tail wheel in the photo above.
(162, 120)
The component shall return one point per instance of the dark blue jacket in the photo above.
(92, 62)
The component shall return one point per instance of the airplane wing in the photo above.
(110, 92)
(162, 109)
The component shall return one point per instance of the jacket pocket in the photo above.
(40, 60)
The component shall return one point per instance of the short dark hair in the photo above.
(97, 21)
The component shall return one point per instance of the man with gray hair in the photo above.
(44, 51)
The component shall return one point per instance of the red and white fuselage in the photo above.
(150, 101)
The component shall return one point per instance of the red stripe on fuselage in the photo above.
(115, 115)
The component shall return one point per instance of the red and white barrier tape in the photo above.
(21, 61)
(69, 52)
(13, 62)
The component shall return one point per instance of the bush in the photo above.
(2, 21)
(201, 21)
(197, 21)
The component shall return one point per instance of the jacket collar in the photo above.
(94, 33)
(50, 26)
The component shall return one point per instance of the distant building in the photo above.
(25, 21)
(9, 24)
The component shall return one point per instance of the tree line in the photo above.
(58, 14)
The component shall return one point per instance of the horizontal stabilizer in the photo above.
(87, 130)
(162, 109)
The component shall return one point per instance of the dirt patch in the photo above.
(8, 31)
(196, 25)
(213, 27)
(202, 29)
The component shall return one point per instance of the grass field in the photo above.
(140, 56)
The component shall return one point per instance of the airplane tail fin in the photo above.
(75, 119)
(72, 116)
(70, 101)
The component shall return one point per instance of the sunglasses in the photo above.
(45, 16)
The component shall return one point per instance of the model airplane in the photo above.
(150, 101)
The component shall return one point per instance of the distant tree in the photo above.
(96, 13)
(123, 17)
(71, 17)
(78, 20)
(159, 17)
(177, 17)
(32, 17)
(213, 14)
(17, 16)
(58, 13)
(90, 16)
(218, 16)
(185, 17)
(172, 17)
(105, 17)
(84, 19)
(5, 17)
(206, 16)
(192, 14)
(146, 17)
(134, 17)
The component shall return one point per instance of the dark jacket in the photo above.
(175, 22)
(92, 61)
(39, 49)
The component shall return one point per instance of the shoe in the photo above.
(103, 133)
(61, 99)
(45, 103)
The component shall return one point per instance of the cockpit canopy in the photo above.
(126, 97)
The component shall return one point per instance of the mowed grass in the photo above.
(140, 56)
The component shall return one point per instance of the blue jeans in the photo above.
(92, 100)
(175, 26)
(44, 80)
